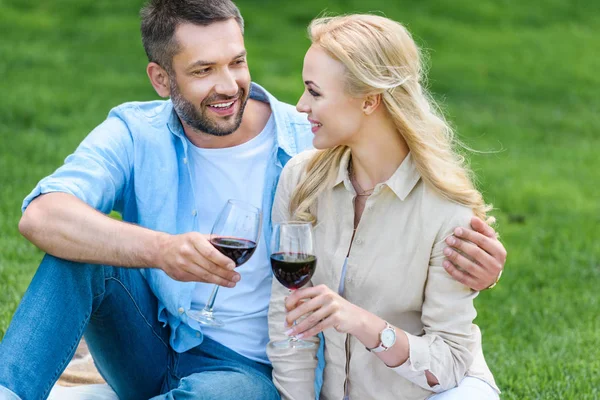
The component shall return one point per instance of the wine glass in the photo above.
(293, 262)
(235, 233)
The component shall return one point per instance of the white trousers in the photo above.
(468, 389)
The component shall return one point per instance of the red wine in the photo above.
(239, 250)
(293, 270)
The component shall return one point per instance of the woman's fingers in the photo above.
(312, 323)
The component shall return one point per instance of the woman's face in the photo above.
(335, 116)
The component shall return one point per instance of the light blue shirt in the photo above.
(237, 172)
(136, 162)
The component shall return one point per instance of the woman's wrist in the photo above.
(368, 328)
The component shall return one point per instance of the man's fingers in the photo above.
(462, 262)
(475, 253)
(460, 276)
(480, 226)
(209, 252)
(215, 274)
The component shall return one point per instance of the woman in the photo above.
(384, 191)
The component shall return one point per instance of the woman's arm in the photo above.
(293, 369)
(436, 360)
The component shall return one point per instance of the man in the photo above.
(168, 167)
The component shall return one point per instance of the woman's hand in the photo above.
(485, 255)
(329, 310)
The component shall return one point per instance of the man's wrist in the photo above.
(152, 250)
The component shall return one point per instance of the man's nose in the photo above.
(227, 84)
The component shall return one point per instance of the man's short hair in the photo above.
(160, 18)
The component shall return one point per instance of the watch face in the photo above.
(388, 337)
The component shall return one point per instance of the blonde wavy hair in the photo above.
(380, 57)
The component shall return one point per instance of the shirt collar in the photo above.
(257, 92)
(401, 182)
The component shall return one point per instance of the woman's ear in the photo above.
(370, 103)
(159, 79)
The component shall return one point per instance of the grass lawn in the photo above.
(516, 77)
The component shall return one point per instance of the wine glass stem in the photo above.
(211, 300)
(292, 338)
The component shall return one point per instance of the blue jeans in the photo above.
(117, 312)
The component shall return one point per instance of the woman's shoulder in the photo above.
(296, 165)
(447, 213)
(302, 158)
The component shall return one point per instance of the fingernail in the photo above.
(289, 332)
(447, 251)
(446, 264)
(458, 231)
(236, 278)
(450, 240)
(231, 284)
(231, 266)
(300, 336)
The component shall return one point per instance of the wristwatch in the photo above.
(387, 338)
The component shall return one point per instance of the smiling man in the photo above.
(168, 167)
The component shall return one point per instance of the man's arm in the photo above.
(486, 255)
(66, 227)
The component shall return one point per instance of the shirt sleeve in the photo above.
(97, 172)
(447, 315)
(293, 369)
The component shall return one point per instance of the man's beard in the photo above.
(198, 120)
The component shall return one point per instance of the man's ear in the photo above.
(370, 103)
(159, 79)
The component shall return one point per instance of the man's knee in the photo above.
(223, 385)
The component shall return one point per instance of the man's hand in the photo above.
(486, 255)
(191, 257)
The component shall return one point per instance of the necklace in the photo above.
(360, 191)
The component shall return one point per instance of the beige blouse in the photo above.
(394, 270)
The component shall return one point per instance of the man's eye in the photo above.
(201, 71)
(238, 62)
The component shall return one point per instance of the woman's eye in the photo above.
(238, 62)
(313, 93)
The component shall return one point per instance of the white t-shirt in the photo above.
(236, 173)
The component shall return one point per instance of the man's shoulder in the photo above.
(156, 112)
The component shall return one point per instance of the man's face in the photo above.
(210, 81)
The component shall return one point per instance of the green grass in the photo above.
(515, 76)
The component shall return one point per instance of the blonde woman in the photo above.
(385, 191)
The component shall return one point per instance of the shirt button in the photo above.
(370, 208)
(180, 310)
(197, 334)
(359, 241)
(194, 213)
(185, 160)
